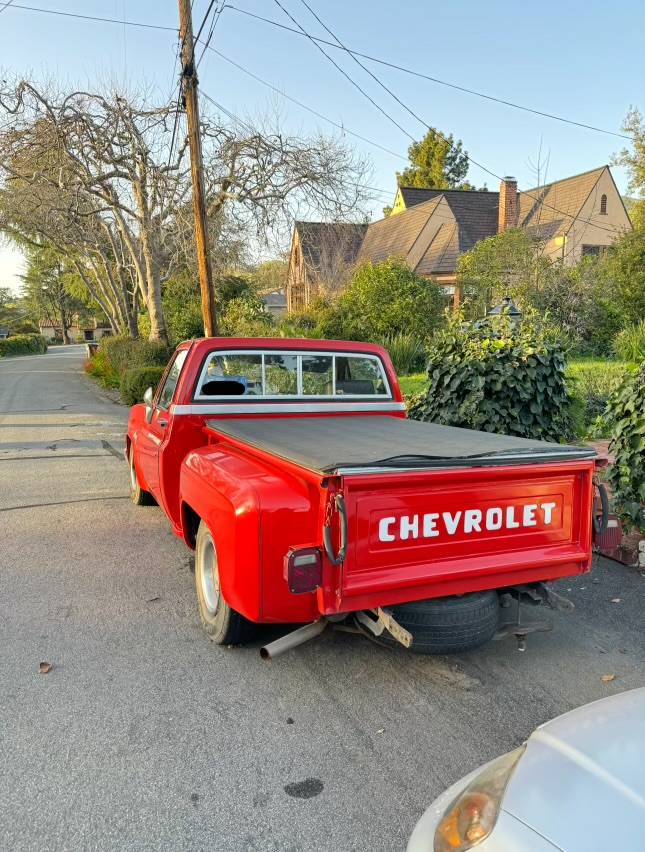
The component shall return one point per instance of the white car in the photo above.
(576, 785)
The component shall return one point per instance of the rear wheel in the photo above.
(223, 624)
(138, 495)
(448, 625)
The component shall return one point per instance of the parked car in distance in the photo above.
(576, 785)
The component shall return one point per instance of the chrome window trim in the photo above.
(270, 407)
(333, 353)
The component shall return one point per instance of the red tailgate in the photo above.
(415, 535)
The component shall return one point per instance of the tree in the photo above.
(510, 263)
(46, 293)
(622, 272)
(387, 298)
(437, 162)
(634, 161)
(93, 174)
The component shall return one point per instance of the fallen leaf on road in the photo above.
(45, 668)
(608, 678)
(380, 730)
(615, 600)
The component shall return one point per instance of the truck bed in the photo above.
(341, 445)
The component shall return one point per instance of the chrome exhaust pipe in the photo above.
(292, 640)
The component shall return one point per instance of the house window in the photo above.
(593, 251)
(296, 255)
(603, 205)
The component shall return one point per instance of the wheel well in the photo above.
(190, 522)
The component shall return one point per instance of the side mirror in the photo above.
(147, 398)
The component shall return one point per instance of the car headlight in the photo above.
(471, 817)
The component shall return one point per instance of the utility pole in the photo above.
(189, 90)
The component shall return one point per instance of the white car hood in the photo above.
(581, 781)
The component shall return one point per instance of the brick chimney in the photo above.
(508, 208)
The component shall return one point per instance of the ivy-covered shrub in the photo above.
(23, 344)
(135, 383)
(126, 353)
(626, 411)
(497, 377)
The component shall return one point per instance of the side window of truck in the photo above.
(273, 374)
(172, 377)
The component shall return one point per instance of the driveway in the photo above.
(145, 736)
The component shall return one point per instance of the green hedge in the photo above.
(494, 376)
(23, 344)
(626, 413)
(126, 353)
(134, 383)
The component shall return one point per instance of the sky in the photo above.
(580, 60)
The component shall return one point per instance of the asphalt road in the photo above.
(145, 736)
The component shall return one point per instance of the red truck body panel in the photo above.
(413, 534)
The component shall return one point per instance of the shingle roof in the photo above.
(395, 235)
(442, 253)
(471, 216)
(550, 209)
(413, 195)
(321, 241)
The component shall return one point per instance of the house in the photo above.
(4, 333)
(275, 302)
(80, 330)
(431, 228)
(321, 255)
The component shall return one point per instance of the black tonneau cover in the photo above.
(335, 444)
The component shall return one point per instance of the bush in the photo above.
(629, 344)
(591, 384)
(23, 344)
(135, 383)
(387, 298)
(626, 412)
(97, 367)
(406, 351)
(246, 316)
(122, 353)
(493, 376)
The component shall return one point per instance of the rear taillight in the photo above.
(303, 570)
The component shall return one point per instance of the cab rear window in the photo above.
(273, 374)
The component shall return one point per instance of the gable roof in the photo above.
(395, 235)
(471, 216)
(549, 210)
(322, 242)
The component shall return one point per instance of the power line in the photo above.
(201, 26)
(216, 16)
(446, 139)
(6, 6)
(93, 18)
(432, 79)
(251, 130)
(304, 106)
(345, 74)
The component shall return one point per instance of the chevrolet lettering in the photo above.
(468, 521)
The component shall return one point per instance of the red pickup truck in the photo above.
(290, 467)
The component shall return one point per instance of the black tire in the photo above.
(448, 625)
(137, 494)
(221, 622)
